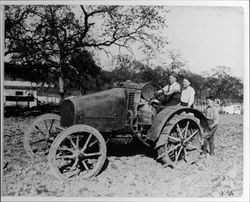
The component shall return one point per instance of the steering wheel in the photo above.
(159, 96)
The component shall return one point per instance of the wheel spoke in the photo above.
(46, 126)
(86, 143)
(72, 142)
(173, 139)
(63, 148)
(74, 165)
(177, 157)
(65, 156)
(52, 122)
(77, 141)
(185, 153)
(73, 173)
(173, 148)
(191, 136)
(180, 132)
(85, 165)
(39, 129)
(186, 130)
(175, 154)
(59, 153)
(188, 158)
(93, 154)
(92, 143)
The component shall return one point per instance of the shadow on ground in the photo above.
(118, 149)
(132, 148)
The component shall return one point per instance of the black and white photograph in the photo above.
(124, 100)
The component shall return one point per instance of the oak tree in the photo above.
(54, 34)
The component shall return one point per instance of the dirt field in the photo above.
(129, 174)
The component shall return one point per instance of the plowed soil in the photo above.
(129, 174)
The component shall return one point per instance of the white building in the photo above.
(232, 109)
(20, 93)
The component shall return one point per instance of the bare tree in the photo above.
(52, 34)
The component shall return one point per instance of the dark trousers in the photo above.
(173, 99)
(171, 102)
(209, 140)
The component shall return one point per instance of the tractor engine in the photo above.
(145, 110)
(145, 113)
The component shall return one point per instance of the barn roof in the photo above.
(22, 85)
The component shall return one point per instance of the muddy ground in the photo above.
(131, 172)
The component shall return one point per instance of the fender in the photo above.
(166, 114)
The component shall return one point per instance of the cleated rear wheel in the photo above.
(180, 140)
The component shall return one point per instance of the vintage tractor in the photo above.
(75, 141)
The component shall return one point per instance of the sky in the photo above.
(206, 37)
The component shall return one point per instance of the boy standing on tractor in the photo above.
(187, 94)
(212, 116)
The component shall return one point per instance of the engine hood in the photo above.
(104, 110)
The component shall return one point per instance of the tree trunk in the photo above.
(61, 87)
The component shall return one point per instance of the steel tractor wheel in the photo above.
(180, 139)
(80, 150)
(40, 134)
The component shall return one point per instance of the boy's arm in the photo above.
(164, 89)
(176, 88)
(215, 118)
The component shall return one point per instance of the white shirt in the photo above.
(174, 87)
(187, 95)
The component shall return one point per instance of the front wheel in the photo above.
(180, 140)
(80, 150)
(40, 134)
